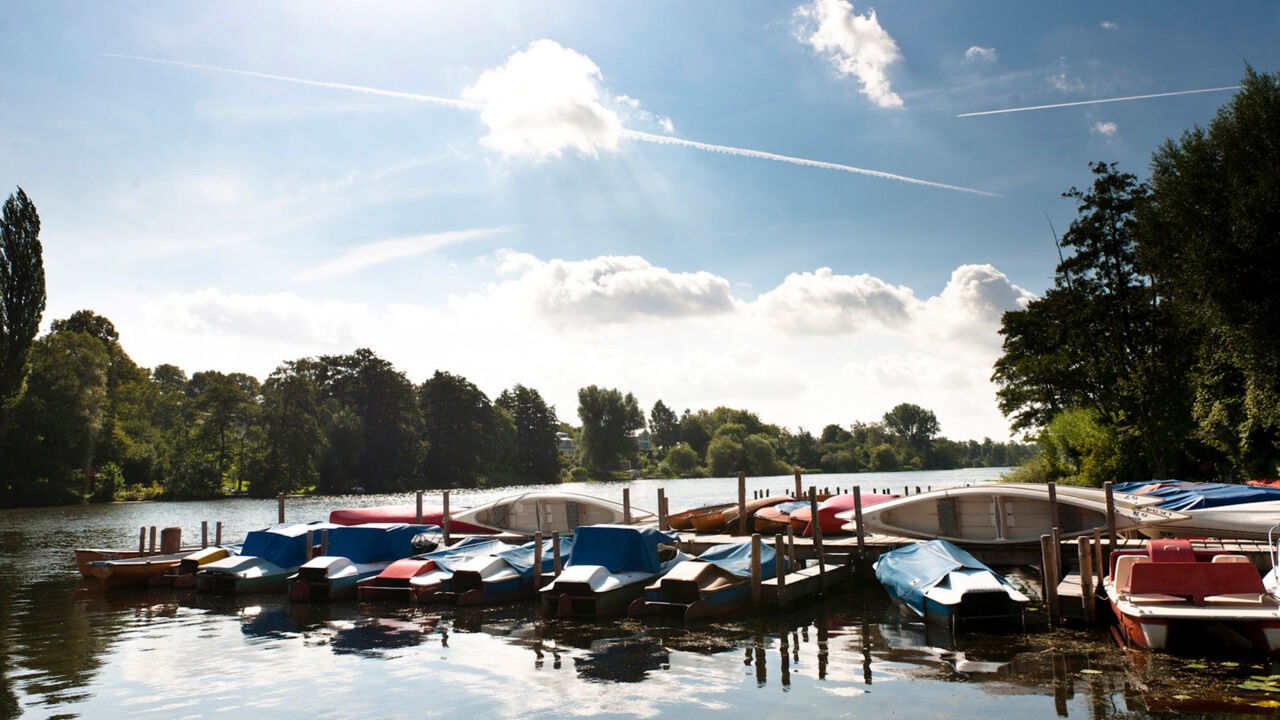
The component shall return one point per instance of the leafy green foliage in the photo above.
(912, 423)
(608, 420)
(664, 426)
(21, 289)
(535, 457)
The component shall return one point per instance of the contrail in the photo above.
(1095, 102)
(633, 134)
(450, 102)
(762, 155)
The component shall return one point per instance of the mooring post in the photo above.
(555, 552)
(324, 541)
(311, 548)
(1099, 566)
(917, 489)
(170, 540)
(153, 538)
(217, 533)
(1046, 576)
(418, 505)
(742, 503)
(142, 540)
(444, 519)
(817, 539)
(1085, 556)
(756, 572)
(1053, 525)
(204, 534)
(857, 517)
(537, 561)
(799, 490)
(1111, 519)
(626, 506)
(780, 569)
(280, 508)
(662, 510)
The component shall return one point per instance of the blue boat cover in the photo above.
(908, 572)
(735, 558)
(1185, 495)
(375, 542)
(450, 557)
(619, 548)
(521, 557)
(283, 545)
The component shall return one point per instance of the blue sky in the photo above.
(555, 227)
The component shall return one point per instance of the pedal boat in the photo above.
(355, 552)
(266, 560)
(715, 584)
(402, 579)
(505, 576)
(941, 583)
(608, 568)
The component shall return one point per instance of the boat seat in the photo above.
(1145, 598)
(1230, 558)
(1124, 569)
(1175, 550)
(1236, 599)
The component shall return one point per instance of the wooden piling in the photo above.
(742, 503)
(217, 533)
(799, 490)
(1053, 505)
(791, 549)
(817, 540)
(555, 552)
(756, 572)
(626, 506)
(1111, 518)
(537, 561)
(153, 538)
(418, 505)
(780, 569)
(204, 534)
(1099, 566)
(311, 548)
(1057, 573)
(142, 540)
(170, 540)
(857, 517)
(1047, 576)
(917, 489)
(662, 510)
(1085, 557)
(444, 519)
(280, 508)
(324, 541)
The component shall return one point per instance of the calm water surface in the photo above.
(69, 650)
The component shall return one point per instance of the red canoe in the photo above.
(403, 514)
(827, 510)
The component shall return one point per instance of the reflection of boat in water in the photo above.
(941, 583)
(356, 552)
(717, 582)
(608, 568)
(625, 659)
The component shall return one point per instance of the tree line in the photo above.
(1156, 352)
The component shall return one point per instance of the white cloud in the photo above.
(855, 44)
(971, 304)
(211, 317)
(823, 302)
(1106, 128)
(1108, 25)
(381, 251)
(980, 54)
(1061, 79)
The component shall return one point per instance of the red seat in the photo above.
(1176, 550)
(1195, 580)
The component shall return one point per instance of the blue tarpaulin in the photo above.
(375, 542)
(735, 558)
(1184, 495)
(283, 545)
(521, 557)
(450, 557)
(619, 548)
(908, 572)
(787, 508)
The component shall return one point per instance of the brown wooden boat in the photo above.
(717, 520)
(684, 520)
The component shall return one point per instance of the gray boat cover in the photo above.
(908, 572)
(619, 548)
(452, 556)
(521, 557)
(735, 558)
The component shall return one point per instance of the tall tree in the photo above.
(608, 419)
(21, 289)
(536, 456)
(912, 423)
(292, 442)
(462, 428)
(664, 426)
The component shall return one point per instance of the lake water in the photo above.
(67, 649)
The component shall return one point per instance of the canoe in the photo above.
(829, 509)
(267, 558)
(943, 584)
(135, 570)
(684, 520)
(407, 514)
(356, 552)
(715, 584)
(84, 556)
(402, 579)
(550, 511)
(1218, 510)
(718, 520)
(1003, 514)
(777, 518)
(1169, 593)
(608, 568)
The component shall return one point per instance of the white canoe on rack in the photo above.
(548, 511)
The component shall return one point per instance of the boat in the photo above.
(716, 583)
(266, 560)
(1005, 514)
(407, 514)
(1169, 592)
(357, 552)
(829, 511)
(943, 584)
(684, 520)
(504, 576)
(1220, 510)
(718, 520)
(397, 581)
(183, 575)
(548, 511)
(608, 568)
(777, 518)
(137, 570)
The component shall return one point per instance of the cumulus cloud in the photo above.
(855, 44)
(1106, 128)
(972, 302)
(826, 303)
(376, 253)
(1108, 25)
(1061, 79)
(980, 54)
(279, 318)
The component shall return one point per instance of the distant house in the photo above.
(564, 443)
(643, 443)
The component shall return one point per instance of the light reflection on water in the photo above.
(68, 649)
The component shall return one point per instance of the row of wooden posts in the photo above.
(1093, 563)
(171, 538)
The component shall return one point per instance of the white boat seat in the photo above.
(1124, 568)
(1144, 598)
(1230, 558)
(1236, 599)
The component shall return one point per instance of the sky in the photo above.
(795, 208)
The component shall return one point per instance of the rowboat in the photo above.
(717, 520)
(943, 584)
(777, 518)
(504, 576)
(608, 568)
(134, 571)
(1005, 514)
(403, 514)
(266, 560)
(400, 579)
(357, 552)
(716, 583)
(1219, 510)
(684, 520)
(1170, 592)
(829, 511)
(548, 511)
